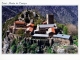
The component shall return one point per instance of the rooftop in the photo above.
(51, 30)
(30, 24)
(40, 35)
(55, 36)
(30, 29)
(62, 36)
(19, 22)
(47, 25)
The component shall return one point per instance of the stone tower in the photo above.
(50, 19)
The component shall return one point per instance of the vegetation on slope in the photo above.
(7, 24)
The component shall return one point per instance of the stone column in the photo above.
(47, 18)
(50, 41)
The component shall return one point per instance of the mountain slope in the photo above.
(63, 14)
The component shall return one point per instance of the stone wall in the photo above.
(62, 41)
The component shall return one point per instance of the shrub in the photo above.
(19, 49)
(37, 22)
(72, 29)
(20, 32)
(49, 50)
(65, 30)
(60, 26)
(13, 48)
(13, 42)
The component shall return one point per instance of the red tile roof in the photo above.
(51, 30)
(30, 25)
(30, 29)
(19, 22)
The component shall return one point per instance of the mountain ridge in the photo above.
(63, 14)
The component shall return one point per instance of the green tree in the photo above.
(39, 21)
(60, 26)
(27, 20)
(22, 15)
(33, 47)
(75, 40)
(20, 32)
(13, 48)
(31, 14)
(49, 50)
(65, 30)
(19, 49)
(24, 46)
(13, 42)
